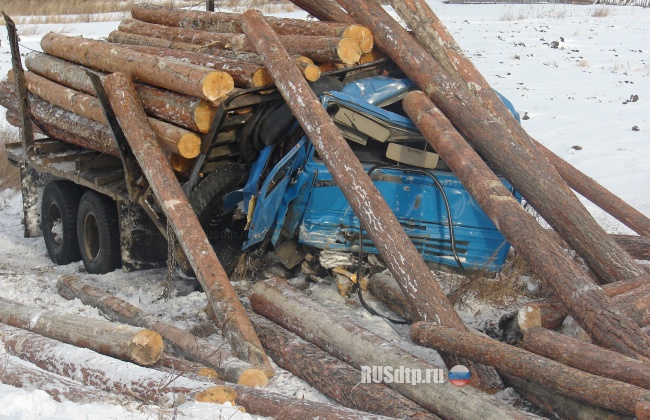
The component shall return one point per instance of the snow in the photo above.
(577, 98)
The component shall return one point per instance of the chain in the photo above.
(171, 262)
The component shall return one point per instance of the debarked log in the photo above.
(173, 139)
(230, 23)
(185, 111)
(414, 277)
(329, 375)
(579, 294)
(187, 345)
(573, 383)
(586, 357)
(20, 374)
(318, 48)
(359, 347)
(106, 373)
(169, 74)
(134, 344)
(232, 316)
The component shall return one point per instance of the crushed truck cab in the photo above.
(297, 198)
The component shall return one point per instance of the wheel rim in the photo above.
(91, 237)
(55, 224)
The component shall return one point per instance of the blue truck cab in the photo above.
(295, 196)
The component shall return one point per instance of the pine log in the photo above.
(186, 368)
(329, 375)
(386, 289)
(409, 269)
(185, 111)
(550, 313)
(557, 405)
(23, 375)
(583, 299)
(573, 383)
(318, 48)
(587, 357)
(172, 138)
(106, 373)
(244, 75)
(169, 74)
(185, 344)
(325, 10)
(61, 124)
(231, 22)
(309, 70)
(636, 246)
(123, 342)
(359, 347)
(502, 141)
(222, 297)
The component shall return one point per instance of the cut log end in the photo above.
(203, 115)
(261, 77)
(361, 35)
(373, 55)
(217, 84)
(253, 378)
(311, 72)
(349, 51)
(529, 317)
(189, 145)
(146, 347)
(216, 394)
(209, 373)
(181, 164)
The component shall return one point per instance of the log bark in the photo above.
(172, 138)
(573, 383)
(556, 404)
(222, 297)
(137, 345)
(244, 75)
(409, 269)
(186, 368)
(61, 124)
(22, 375)
(185, 111)
(583, 299)
(108, 374)
(501, 140)
(359, 347)
(550, 313)
(325, 10)
(386, 289)
(231, 23)
(329, 375)
(180, 77)
(586, 357)
(318, 48)
(636, 246)
(185, 344)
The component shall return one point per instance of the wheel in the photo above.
(98, 233)
(207, 201)
(59, 221)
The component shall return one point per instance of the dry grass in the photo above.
(602, 11)
(9, 174)
(583, 63)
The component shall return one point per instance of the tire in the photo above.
(59, 221)
(207, 201)
(98, 233)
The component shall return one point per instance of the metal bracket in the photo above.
(132, 173)
(27, 132)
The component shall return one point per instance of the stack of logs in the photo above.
(184, 66)
(459, 115)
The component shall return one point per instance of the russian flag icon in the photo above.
(459, 375)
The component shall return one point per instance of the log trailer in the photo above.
(264, 184)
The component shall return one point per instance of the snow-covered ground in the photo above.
(577, 100)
